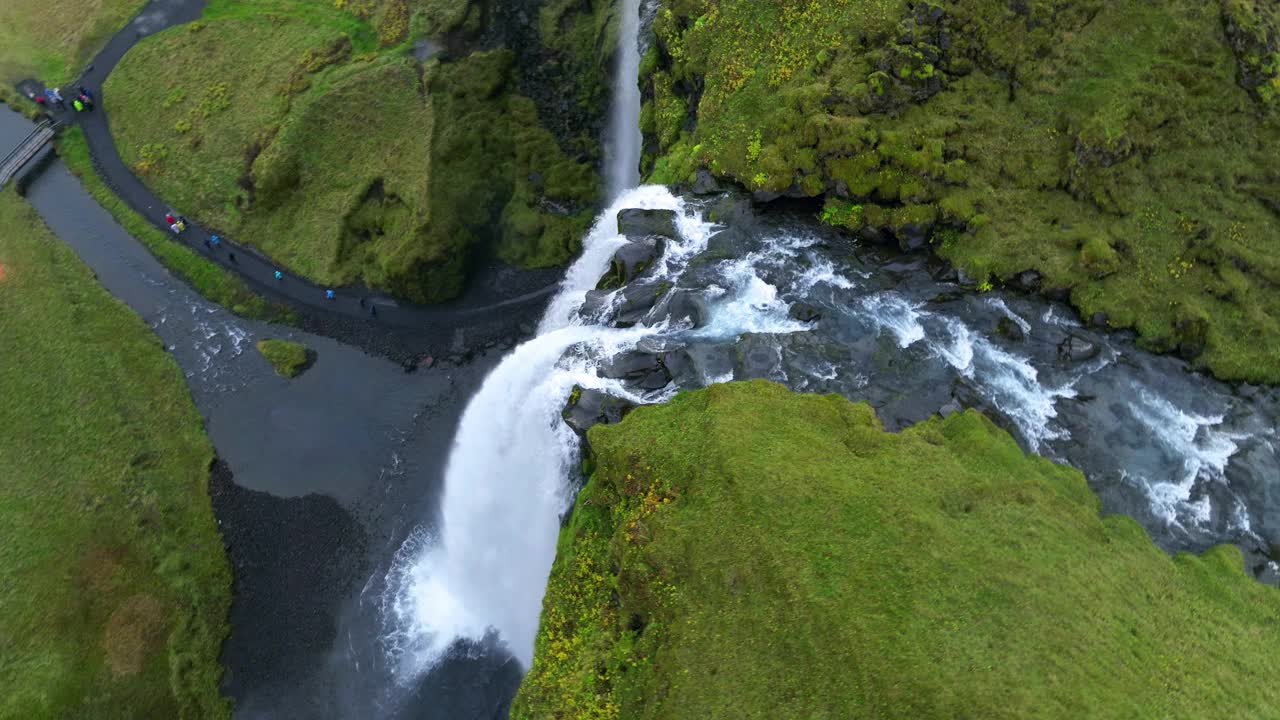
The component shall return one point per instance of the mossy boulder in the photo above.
(745, 551)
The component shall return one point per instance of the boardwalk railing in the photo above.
(26, 150)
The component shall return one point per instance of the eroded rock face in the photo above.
(587, 408)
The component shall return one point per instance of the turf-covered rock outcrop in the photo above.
(394, 143)
(1125, 151)
(748, 552)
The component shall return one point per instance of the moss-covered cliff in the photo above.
(1124, 150)
(748, 552)
(389, 142)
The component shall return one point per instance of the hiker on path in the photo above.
(79, 106)
(232, 257)
(178, 227)
(328, 294)
(279, 276)
(169, 219)
(55, 95)
(216, 241)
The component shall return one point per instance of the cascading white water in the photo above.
(624, 141)
(506, 483)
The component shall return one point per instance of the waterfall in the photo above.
(624, 141)
(483, 572)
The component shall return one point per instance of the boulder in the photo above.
(636, 302)
(759, 356)
(1077, 349)
(913, 237)
(680, 365)
(1010, 329)
(587, 408)
(682, 307)
(951, 408)
(630, 261)
(637, 224)
(642, 369)
(804, 312)
(704, 183)
(1098, 320)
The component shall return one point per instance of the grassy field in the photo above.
(116, 586)
(288, 358)
(54, 40)
(206, 277)
(747, 552)
(306, 129)
(1124, 150)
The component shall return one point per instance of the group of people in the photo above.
(178, 225)
(52, 97)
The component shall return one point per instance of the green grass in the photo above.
(53, 41)
(203, 275)
(748, 552)
(306, 129)
(1041, 137)
(288, 358)
(116, 588)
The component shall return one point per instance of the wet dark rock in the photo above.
(1058, 294)
(1027, 280)
(637, 302)
(875, 236)
(1098, 320)
(1077, 349)
(630, 261)
(759, 356)
(804, 312)
(914, 237)
(951, 408)
(1010, 329)
(725, 244)
(704, 183)
(946, 272)
(681, 366)
(682, 307)
(1192, 334)
(588, 408)
(644, 370)
(637, 224)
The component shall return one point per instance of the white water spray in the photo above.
(624, 114)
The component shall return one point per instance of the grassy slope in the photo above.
(1112, 146)
(53, 41)
(334, 156)
(288, 358)
(206, 277)
(116, 586)
(779, 555)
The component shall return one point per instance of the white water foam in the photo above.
(890, 311)
(1197, 448)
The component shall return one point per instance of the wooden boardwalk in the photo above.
(26, 150)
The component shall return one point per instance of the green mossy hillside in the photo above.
(744, 551)
(310, 131)
(116, 585)
(288, 358)
(1127, 151)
